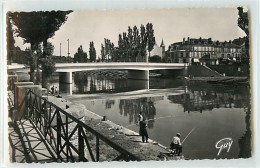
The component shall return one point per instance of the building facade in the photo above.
(203, 51)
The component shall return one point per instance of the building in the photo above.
(157, 50)
(203, 51)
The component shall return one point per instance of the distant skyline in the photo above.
(171, 25)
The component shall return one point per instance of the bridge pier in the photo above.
(65, 82)
(138, 79)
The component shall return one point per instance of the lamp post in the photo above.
(60, 49)
(68, 47)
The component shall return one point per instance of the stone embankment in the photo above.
(205, 74)
(120, 135)
(228, 80)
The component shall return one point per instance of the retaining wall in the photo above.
(202, 71)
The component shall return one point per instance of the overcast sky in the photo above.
(171, 25)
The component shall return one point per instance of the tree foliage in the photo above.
(47, 63)
(92, 52)
(107, 50)
(150, 37)
(80, 55)
(242, 20)
(10, 38)
(36, 28)
(155, 58)
(132, 45)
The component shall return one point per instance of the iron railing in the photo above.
(67, 135)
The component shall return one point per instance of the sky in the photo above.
(171, 25)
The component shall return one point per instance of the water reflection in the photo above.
(217, 111)
(106, 82)
(109, 103)
(245, 141)
(207, 97)
(132, 107)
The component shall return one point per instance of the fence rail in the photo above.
(68, 136)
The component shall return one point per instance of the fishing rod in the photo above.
(188, 135)
(171, 116)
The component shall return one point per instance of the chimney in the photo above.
(183, 40)
(188, 40)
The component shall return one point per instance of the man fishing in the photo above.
(176, 144)
(143, 131)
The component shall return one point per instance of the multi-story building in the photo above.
(203, 51)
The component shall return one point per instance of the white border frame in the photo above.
(25, 5)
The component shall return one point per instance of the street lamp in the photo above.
(68, 47)
(60, 49)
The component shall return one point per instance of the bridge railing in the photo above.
(70, 138)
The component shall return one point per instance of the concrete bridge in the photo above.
(73, 67)
(138, 71)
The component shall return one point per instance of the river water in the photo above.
(205, 112)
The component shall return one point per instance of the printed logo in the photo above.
(224, 143)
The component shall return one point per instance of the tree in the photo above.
(242, 22)
(107, 50)
(136, 44)
(143, 41)
(10, 38)
(156, 58)
(38, 27)
(92, 52)
(80, 55)
(47, 63)
(102, 53)
(150, 37)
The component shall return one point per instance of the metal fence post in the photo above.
(58, 134)
(97, 148)
(81, 146)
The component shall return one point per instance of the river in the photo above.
(205, 112)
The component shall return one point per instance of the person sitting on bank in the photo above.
(143, 131)
(176, 144)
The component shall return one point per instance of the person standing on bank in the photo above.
(176, 144)
(143, 131)
(52, 90)
(140, 118)
(56, 90)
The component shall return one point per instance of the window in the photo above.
(187, 55)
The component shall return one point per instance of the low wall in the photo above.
(202, 71)
(231, 70)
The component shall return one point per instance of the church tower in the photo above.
(163, 49)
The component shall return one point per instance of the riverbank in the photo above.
(128, 139)
(128, 95)
(221, 79)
